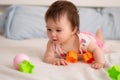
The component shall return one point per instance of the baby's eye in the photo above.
(49, 29)
(58, 30)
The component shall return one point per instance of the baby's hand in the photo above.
(97, 65)
(60, 62)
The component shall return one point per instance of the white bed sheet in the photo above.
(35, 49)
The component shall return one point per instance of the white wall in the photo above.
(89, 3)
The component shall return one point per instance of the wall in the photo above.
(89, 3)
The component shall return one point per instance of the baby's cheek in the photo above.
(61, 39)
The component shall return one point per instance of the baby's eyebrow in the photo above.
(59, 27)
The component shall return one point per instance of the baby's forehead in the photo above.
(57, 18)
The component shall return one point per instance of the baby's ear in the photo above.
(75, 30)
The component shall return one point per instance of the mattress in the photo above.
(35, 49)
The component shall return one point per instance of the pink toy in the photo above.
(19, 58)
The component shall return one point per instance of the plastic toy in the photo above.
(21, 62)
(26, 66)
(72, 56)
(88, 57)
(114, 72)
(19, 58)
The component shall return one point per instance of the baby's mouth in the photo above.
(54, 40)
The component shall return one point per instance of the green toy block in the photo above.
(26, 67)
(114, 72)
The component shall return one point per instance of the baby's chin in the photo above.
(56, 41)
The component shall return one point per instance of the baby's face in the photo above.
(59, 31)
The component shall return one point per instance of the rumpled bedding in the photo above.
(35, 49)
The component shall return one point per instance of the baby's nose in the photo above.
(53, 34)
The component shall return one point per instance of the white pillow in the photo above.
(24, 22)
(90, 19)
(111, 26)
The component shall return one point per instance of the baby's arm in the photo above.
(50, 57)
(98, 55)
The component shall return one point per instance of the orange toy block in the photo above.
(72, 57)
(88, 57)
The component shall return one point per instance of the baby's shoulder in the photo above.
(84, 40)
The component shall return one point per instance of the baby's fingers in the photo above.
(97, 65)
(60, 62)
(57, 62)
(64, 63)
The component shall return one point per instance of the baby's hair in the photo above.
(59, 8)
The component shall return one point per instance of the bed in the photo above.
(19, 35)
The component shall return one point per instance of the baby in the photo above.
(62, 24)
